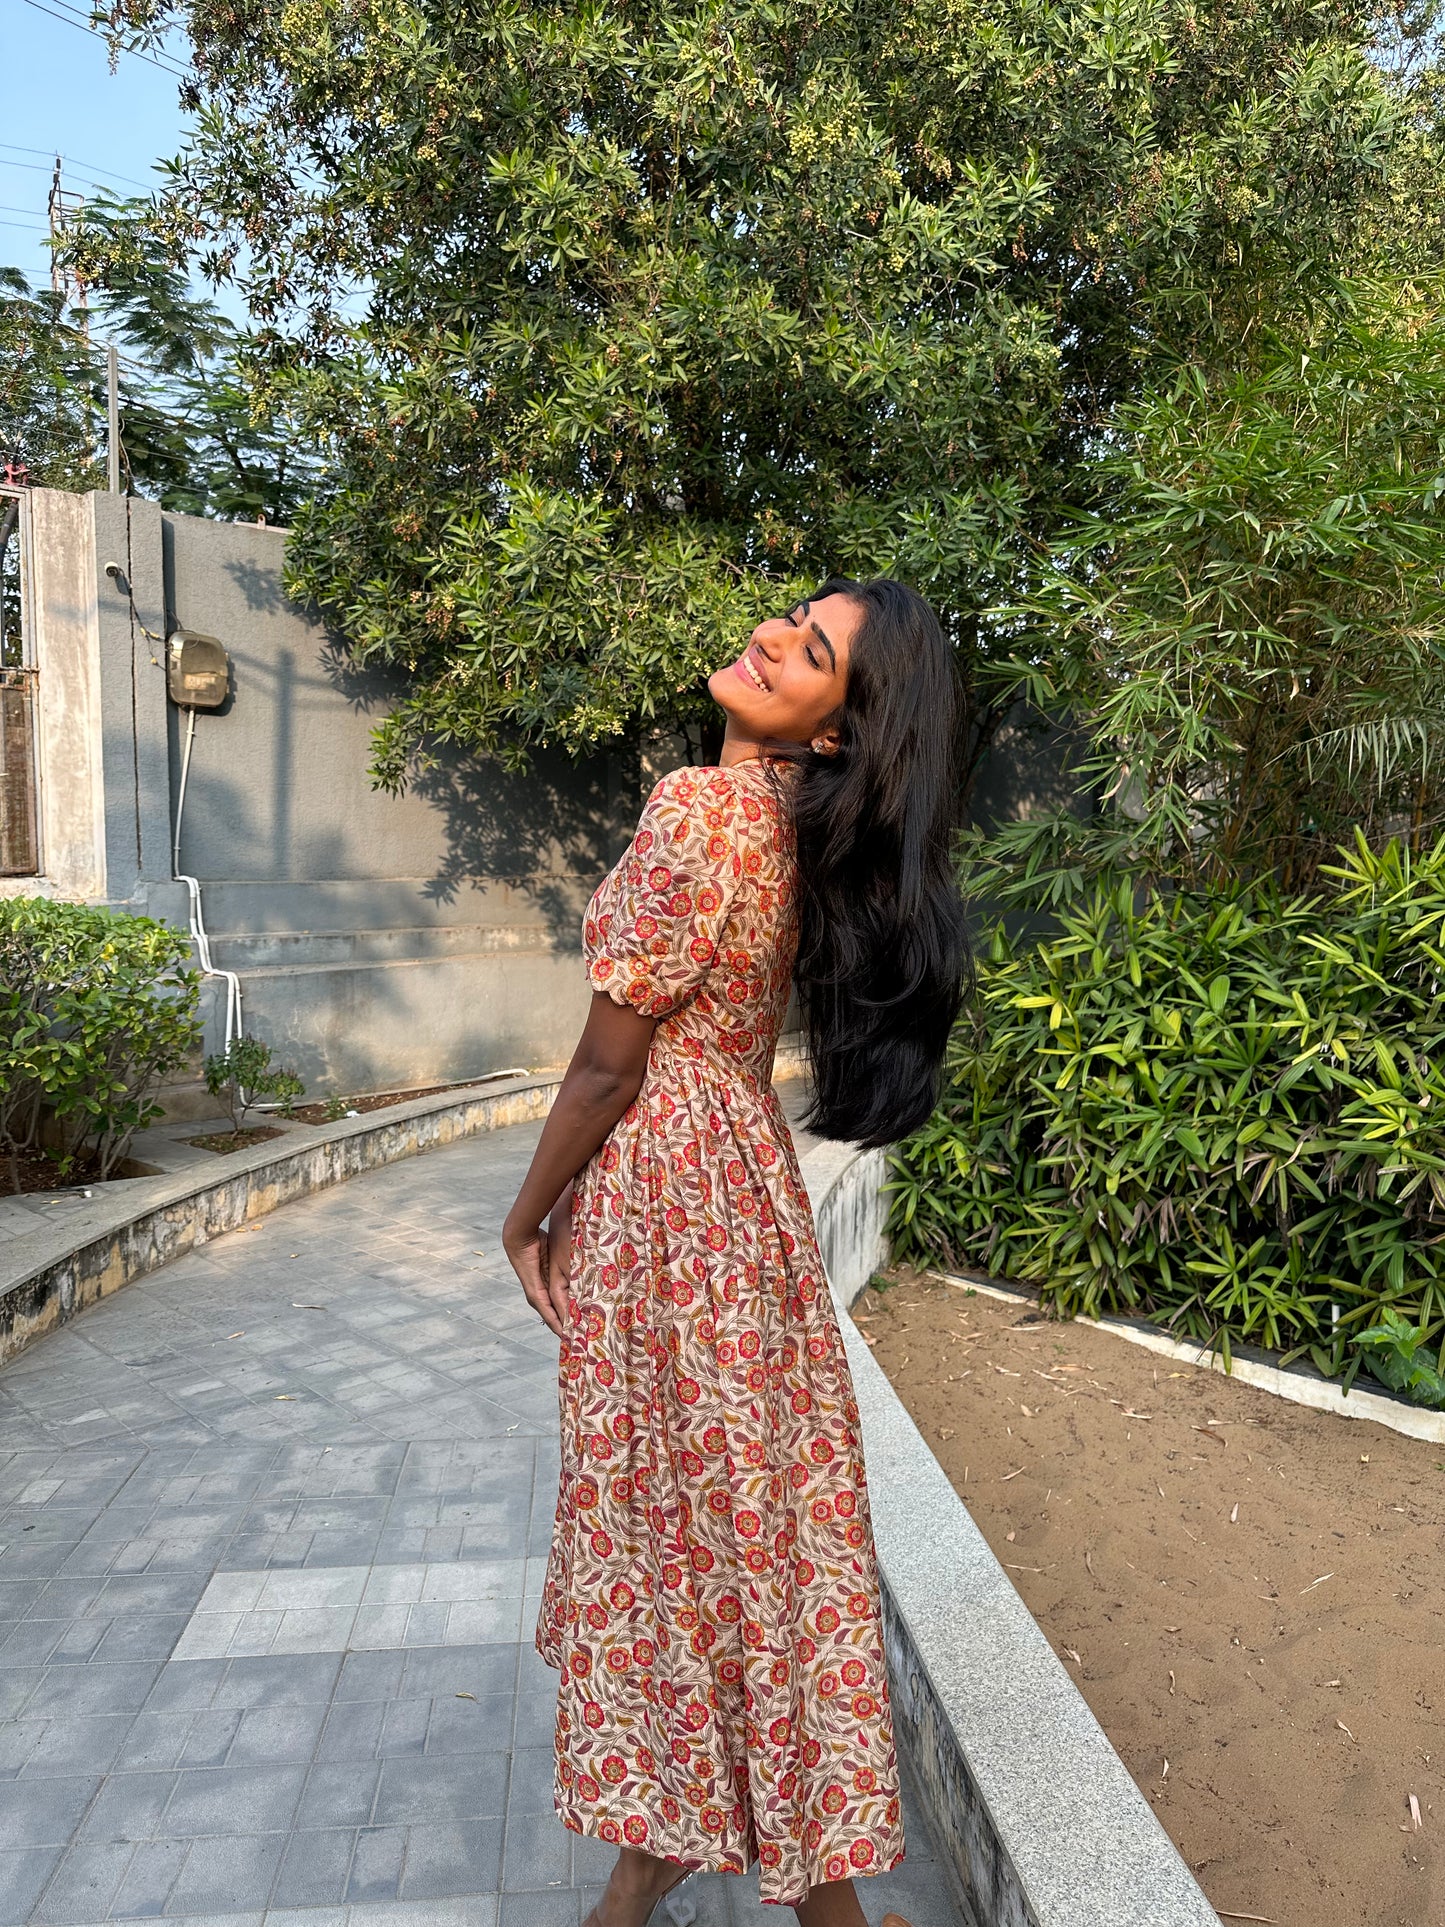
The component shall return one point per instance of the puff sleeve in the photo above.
(654, 931)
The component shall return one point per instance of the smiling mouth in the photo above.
(749, 672)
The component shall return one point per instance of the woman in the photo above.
(712, 1599)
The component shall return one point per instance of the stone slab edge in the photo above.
(48, 1275)
(1037, 1819)
(1412, 1420)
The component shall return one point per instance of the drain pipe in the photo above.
(197, 918)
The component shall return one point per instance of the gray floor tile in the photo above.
(71, 1746)
(221, 1875)
(154, 1868)
(84, 1883)
(541, 1909)
(24, 1874)
(441, 1789)
(538, 1853)
(45, 1813)
(376, 1864)
(315, 1869)
(234, 1799)
(452, 1859)
(339, 1795)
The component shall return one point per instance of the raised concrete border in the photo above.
(1300, 1388)
(48, 1275)
(1033, 1812)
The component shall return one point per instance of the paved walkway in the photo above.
(273, 1527)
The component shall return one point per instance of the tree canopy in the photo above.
(617, 323)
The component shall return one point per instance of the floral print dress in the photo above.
(712, 1596)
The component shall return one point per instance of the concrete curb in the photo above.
(1414, 1421)
(1036, 1817)
(48, 1275)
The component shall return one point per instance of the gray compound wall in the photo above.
(381, 941)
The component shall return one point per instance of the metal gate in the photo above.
(19, 837)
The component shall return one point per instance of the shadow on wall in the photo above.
(1030, 770)
(542, 829)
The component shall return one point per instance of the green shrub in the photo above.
(95, 1009)
(1223, 1112)
(242, 1077)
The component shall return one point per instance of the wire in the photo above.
(72, 20)
(30, 227)
(49, 153)
(71, 173)
(7, 208)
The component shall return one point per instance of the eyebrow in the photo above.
(805, 605)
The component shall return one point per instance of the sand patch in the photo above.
(1250, 1590)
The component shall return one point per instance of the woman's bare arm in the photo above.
(604, 1076)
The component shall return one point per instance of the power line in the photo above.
(75, 174)
(48, 153)
(32, 227)
(85, 26)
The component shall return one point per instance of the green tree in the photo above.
(193, 435)
(1252, 625)
(618, 323)
(48, 378)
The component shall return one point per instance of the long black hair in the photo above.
(883, 948)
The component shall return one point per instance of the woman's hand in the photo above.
(529, 1250)
(559, 1244)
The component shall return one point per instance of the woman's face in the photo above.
(790, 679)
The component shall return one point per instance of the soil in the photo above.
(235, 1140)
(40, 1173)
(1249, 1590)
(377, 1101)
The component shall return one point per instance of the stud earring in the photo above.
(820, 748)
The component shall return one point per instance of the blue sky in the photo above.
(62, 97)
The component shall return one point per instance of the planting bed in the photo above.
(1177, 1562)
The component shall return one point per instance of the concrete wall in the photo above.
(381, 941)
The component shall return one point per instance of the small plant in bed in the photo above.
(97, 1008)
(1221, 1109)
(243, 1077)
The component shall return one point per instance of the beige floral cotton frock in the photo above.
(712, 1598)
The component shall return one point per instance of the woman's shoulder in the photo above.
(745, 789)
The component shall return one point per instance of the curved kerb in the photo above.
(48, 1275)
(1032, 1811)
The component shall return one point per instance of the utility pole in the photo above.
(62, 205)
(112, 397)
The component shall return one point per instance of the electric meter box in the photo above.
(198, 671)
